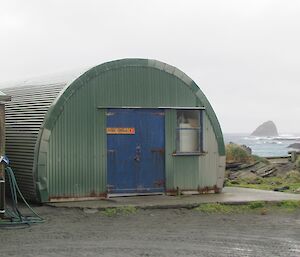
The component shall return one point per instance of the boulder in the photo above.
(267, 129)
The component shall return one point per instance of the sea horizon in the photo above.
(265, 146)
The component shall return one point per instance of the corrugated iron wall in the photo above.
(24, 117)
(76, 160)
(209, 163)
(70, 150)
(191, 172)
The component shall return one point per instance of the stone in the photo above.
(295, 146)
(267, 129)
(281, 189)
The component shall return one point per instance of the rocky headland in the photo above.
(267, 129)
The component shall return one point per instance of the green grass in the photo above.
(289, 205)
(257, 158)
(291, 179)
(220, 208)
(125, 210)
(256, 207)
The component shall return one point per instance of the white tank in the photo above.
(188, 138)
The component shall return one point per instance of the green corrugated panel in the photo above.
(190, 172)
(170, 144)
(181, 171)
(69, 158)
(128, 85)
(213, 121)
(77, 150)
(209, 163)
(73, 170)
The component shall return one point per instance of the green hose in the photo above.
(14, 215)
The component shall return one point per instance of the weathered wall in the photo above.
(76, 154)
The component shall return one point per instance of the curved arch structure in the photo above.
(56, 131)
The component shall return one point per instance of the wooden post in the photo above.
(2, 167)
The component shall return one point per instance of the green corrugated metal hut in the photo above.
(131, 126)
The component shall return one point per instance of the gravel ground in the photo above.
(170, 232)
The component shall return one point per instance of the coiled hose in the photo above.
(13, 216)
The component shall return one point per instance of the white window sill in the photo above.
(189, 154)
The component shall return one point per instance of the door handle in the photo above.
(111, 154)
(137, 156)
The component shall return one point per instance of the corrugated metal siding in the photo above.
(181, 171)
(24, 117)
(71, 160)
(209, 163)
(141, 86)
(191, 172)
(170, 143)
(76, 161)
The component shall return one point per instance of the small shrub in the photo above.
(293, 176)
(235, 153)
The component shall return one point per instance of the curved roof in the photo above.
(95, 71)
(37, 103)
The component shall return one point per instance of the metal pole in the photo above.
(2, 168)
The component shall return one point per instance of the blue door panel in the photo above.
(136, 162)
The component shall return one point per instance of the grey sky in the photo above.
(244, 55)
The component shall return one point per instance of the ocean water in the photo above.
(265, 146)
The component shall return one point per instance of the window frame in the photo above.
(200, 130)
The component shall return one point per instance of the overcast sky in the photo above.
(244, 55)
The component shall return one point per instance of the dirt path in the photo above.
(72, 232)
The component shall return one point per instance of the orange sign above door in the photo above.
(122, 131)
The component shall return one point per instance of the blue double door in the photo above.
(135, 151)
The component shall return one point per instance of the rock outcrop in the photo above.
(295, 146)
(267, 129)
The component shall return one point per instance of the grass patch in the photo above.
(124, 210)
(257, 158)
(289, 205)
(291, 180)
(127, 210)
(220, 208)
(256, 205)
(259, 207)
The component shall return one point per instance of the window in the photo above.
(189, 131)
